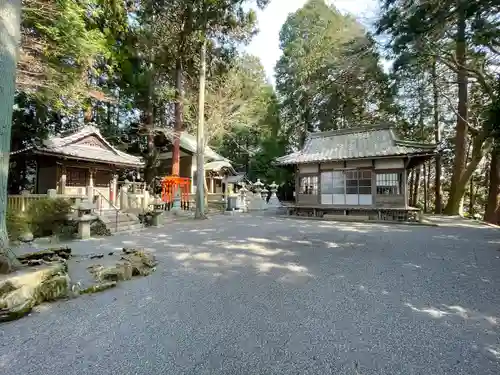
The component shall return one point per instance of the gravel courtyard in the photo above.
(262, 295)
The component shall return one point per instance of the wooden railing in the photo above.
(21, 202)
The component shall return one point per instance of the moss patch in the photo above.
(25, 290)
(98, 287)
(134, 262)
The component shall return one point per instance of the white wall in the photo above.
(359, 163)
(308, 168)
(389, 163)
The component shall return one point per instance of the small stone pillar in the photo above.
(157, 213)
(90, 193)
(145, 200)
(52, 193)
(63, 180)
(114, 189)
(124, 196)
(84, 218)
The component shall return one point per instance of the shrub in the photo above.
(17, 224)
(46, 216)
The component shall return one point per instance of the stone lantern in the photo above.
(84, 218)
(258, 186)
(243, 198)
(273, 200)
(157, 213)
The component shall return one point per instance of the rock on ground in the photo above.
(25, 289)
(134, 262)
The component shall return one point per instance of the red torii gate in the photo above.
(170, 184)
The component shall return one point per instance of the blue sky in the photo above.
(266, 44)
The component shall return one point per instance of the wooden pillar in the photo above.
(212, 184)
(113, 189)
(62, 185)
(90, 187)
(405, 187)
(318, 188)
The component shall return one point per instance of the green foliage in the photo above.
(243, 120)
(329, 75)
(46, 216)
(60, 48)
(17, 224)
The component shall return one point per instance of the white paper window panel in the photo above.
(388, 179)
(351, 199)
(365, 199)
(326, 199)
(338, 199)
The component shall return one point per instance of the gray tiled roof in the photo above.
(65, 146)
(189, 142)
(358, 143)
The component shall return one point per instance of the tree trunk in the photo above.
(471, 198)
(493, 202)
(118, 112)
(200, 139)
(456, 191)
(10, 19)
(480, 147)
(437, 138)
(178, 126)
(425, 187)
(149, 170)
(415, 187)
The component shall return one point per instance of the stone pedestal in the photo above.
(176, 202)
(157, 213)
(145, 200)
(84, 228)
(84, 218)
(124, 196)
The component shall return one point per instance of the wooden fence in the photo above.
(21, 202)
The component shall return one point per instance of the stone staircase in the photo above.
(127, 222)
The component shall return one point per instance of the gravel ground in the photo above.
(262, 295)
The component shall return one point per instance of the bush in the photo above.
(46, 216)
(17, 224)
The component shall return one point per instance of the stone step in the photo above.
(113, 221)
(120, 224)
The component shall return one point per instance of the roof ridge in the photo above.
(414, 143)
(359, 129)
